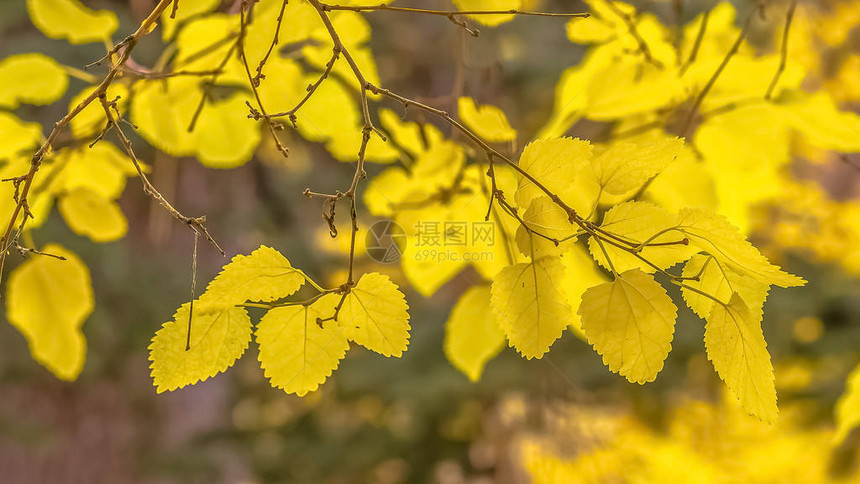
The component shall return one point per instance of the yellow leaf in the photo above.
(743, 78)
(580, 274)
(48, 300)
(488, 121)
(296, 352)
(219, 336)
(330, 110)
(188, 9)
(41, 199)
(744, 151)
(344, 146)
(714, 234)
(17, 137)
(445, 237)
(199, 48)
(721, 283)
(415, 138)
(587, 30)
(603, 24)
(224, 136)
(629, 86)
(736, 346)
(571, 96)
(820, 120)
(331, 115)
(472, 334)
(162, 111)
(641, 223)
(529, 305)
(386, 190)
(374, 315)
(438, 166)
(627, 165)
(102, 169)
(263, 275)
(303, 21)
(31, 79)
(498, 243)
(685, 183)
(555, 164)
(89, 213)
(545, 217)
(426, 263)
(848, 407)
(631, 322)
(284, 85)
(489, 20)
(71, 20)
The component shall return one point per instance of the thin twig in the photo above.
(312, 88)
(255, 82)
(784, 51)
(193, 290)
(700, 36)
(634, 31)
(710, 84)
(445, 13)
(195, 223)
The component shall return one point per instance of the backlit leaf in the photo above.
(219, 336)
(545, 217)
(580, 274)
(488, 121)
(71, 20)
(296, 352)
(91, 214)
(31, 79)
(374, 315)
(529, 306)
(638, 223)
(714, 234)
(263, 275)
(627, 165)
(48, 300)
(554, 163)
(472, 334)
(631, 322)
(721, 283)
(736, 346)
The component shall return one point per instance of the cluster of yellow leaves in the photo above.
(223, 137)
(49, 299)
(713, 443)
(540, 280)
(549, 282)
(301, 343)
(743, 151)
(86, 182)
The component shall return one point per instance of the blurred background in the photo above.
(379, 420)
